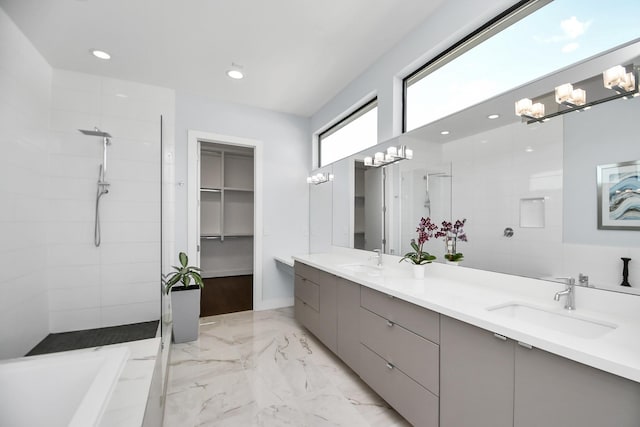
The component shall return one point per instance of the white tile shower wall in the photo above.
(492, 171)
(118, 282)
(25, 85)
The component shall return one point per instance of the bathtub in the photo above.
(62, 389)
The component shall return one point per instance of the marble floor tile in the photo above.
(264, 369)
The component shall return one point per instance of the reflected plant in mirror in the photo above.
(425, 231)
(452, 232)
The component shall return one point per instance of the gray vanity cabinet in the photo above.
(553, 391)
(315, 303)
(476, 377)
(348, 305)
(399, 355)
(488, 380)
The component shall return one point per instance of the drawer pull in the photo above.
(500, 337)
(525, 345)
(390, 365)
(390, 323)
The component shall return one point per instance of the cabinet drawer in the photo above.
(415, 356)
(308, 292)
(410, 399)
(309, 273)
(306, 315)
(421, 321)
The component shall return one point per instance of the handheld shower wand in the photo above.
(103, 185)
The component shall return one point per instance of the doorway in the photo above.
(224, 220)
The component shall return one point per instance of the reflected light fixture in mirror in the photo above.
(526, 108)
(567, 95)
(319, 178)
(393, 155)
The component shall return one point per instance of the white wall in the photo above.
(608, 133)
(450, 23)
(25, 88)
(118, 282)
(285, 193)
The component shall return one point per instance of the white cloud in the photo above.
(570, 47)
(573, 28)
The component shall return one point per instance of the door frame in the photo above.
(193, 210)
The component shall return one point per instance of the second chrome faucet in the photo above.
(569, 292)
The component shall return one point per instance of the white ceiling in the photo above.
(296, 54)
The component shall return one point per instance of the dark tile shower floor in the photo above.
(75, 340)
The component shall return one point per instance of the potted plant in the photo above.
(185, 299)
(418, 257)
(452, 232)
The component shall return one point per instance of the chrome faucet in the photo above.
(569, 292)
(377, 257)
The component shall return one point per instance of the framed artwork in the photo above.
(619, 196)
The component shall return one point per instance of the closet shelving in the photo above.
(226, 210)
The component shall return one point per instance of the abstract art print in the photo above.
(619, 196)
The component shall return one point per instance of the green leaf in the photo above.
(415, 246)
(184, 259)
(197, 279)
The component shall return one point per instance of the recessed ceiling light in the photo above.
(100, 54)
(444, 132)
(529, 149)
(493, 116)
(235, 74)
(235, 71)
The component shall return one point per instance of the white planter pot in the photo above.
(453, 262)
(418, 271)
(186, 314)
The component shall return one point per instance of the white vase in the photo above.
(418, 271)
(453, 262)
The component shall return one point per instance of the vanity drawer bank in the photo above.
(437, 353)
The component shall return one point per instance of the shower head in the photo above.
(95, 132)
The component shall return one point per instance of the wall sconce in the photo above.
(319, 178)
(393, 155)
(617, 78)
(570, 97)
(526, 108)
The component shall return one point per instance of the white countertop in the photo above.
(465, 294)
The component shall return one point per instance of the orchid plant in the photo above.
(452, 232)
(425, 232)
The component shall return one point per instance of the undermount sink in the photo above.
(370, 270)
(568, 323)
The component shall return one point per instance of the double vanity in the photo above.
(465, 347)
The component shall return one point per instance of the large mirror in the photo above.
(528, 190)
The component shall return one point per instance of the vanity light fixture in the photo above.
(617, 78)
(101, 54)
(526, 108)
(570, 97)
(393, 155)
(320, 178)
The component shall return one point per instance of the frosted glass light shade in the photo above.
(613, 76)
(563, 93)
(523, 106)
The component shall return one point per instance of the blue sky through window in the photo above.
(553, 37)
